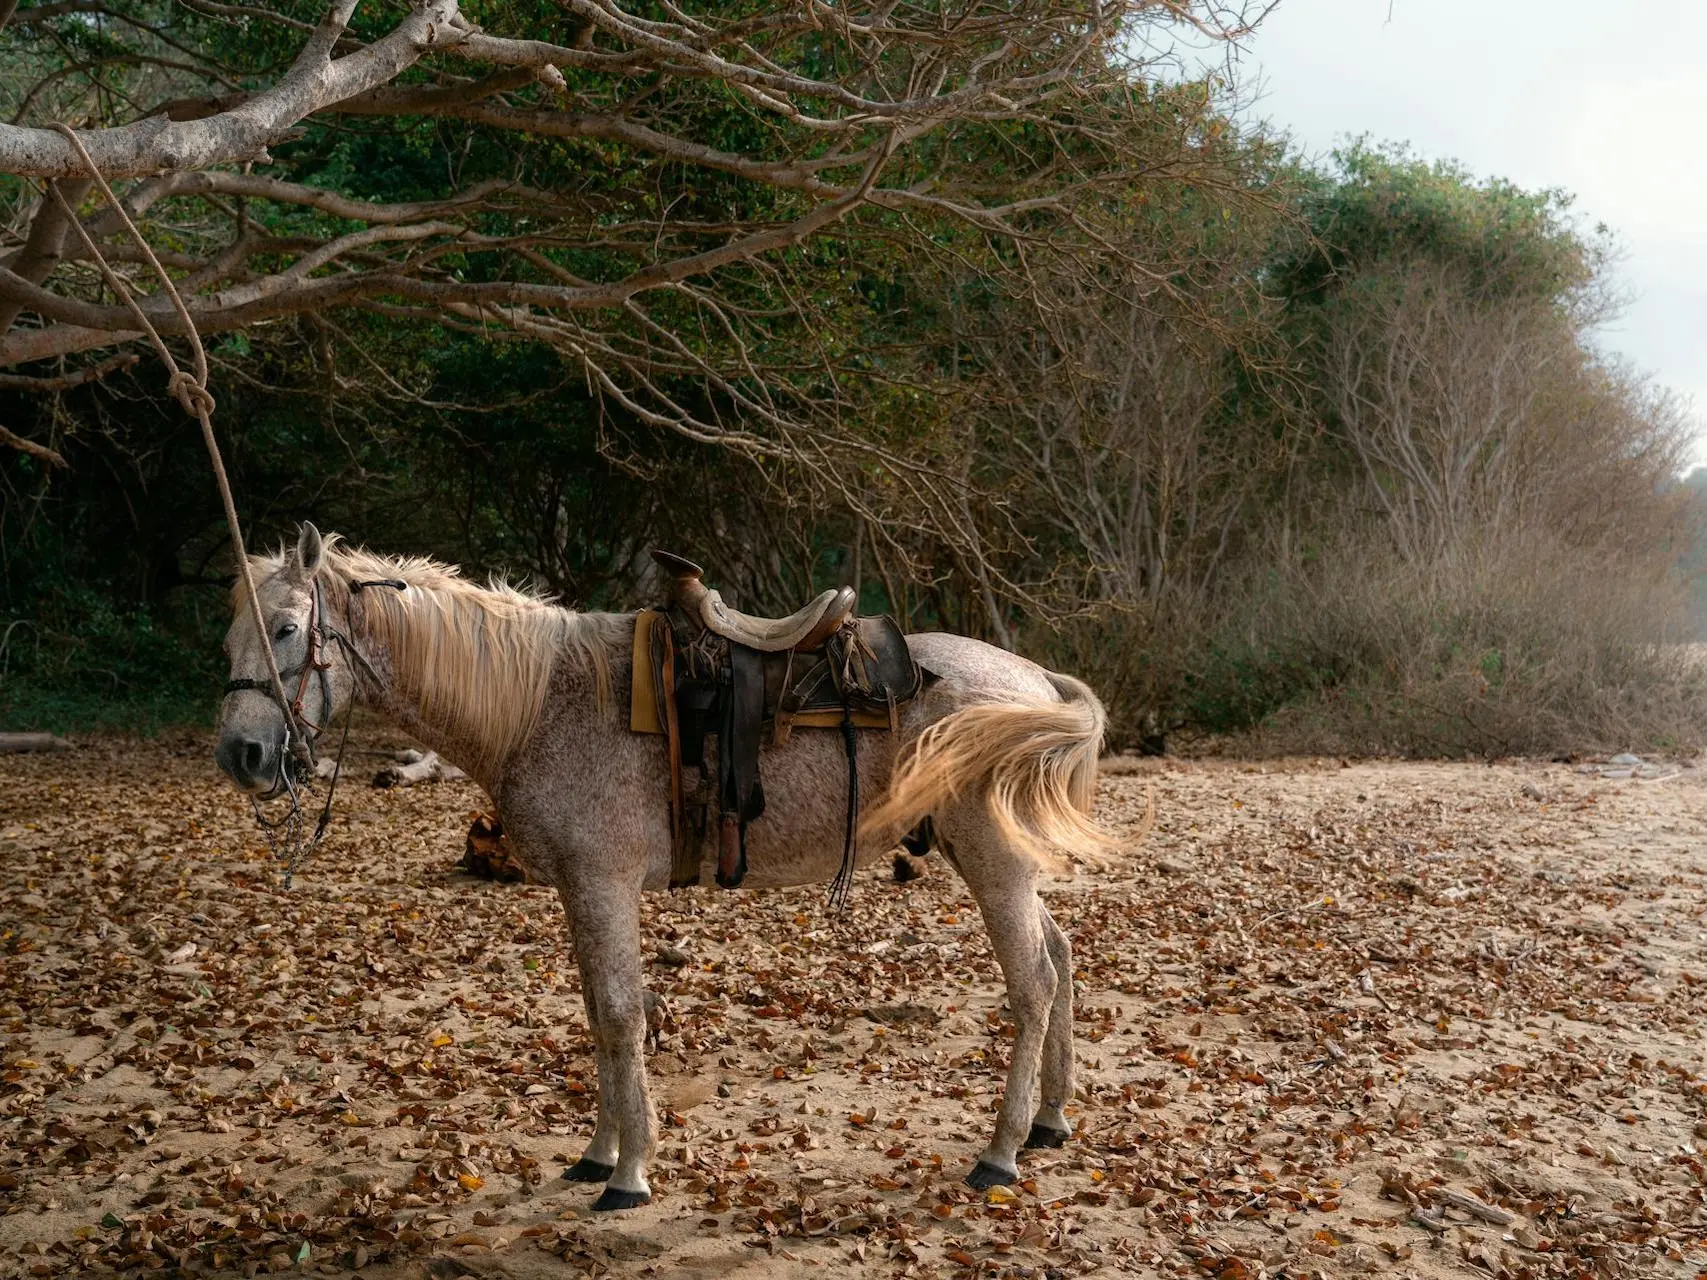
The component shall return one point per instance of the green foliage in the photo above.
(83, 661)
(1381, 205)
(1237, 684)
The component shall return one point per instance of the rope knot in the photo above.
(195, 398)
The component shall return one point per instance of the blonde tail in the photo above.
(1036, 763)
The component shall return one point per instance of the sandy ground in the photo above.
(1410, 1019)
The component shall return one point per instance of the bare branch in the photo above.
(15, 441)
(44, 248)
(66, 381)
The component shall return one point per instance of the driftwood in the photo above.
(16, 742)
(412, 768)
(407, 768)
(1472, 1206)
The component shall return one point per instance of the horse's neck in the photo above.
(453, 743)
(475, 693)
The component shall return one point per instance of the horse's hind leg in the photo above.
(1049, 1127)
(1004, 883)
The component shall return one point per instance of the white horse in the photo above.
(998, 752)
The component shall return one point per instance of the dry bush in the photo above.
(1466, 416)
(1516, 646)
(1521, 645)
(1472, 550)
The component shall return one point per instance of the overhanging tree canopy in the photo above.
(657, 194)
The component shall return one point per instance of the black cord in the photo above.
(842, 885)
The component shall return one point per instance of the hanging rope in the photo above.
(191, 392)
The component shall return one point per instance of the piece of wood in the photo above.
(414, 768)
(1472, 1206)
(16, 742)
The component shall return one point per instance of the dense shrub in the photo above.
(83, 661)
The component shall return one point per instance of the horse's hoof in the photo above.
(585, 1170)
(1042, 1135)
(985, 1175)
(614, 1199)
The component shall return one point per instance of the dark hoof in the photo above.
(985, 1175)
(614, 1199)
(585, 1170)
(1042, 1135)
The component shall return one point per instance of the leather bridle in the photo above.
(287, 832)
(315, 665)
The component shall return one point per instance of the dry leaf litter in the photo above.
(1407, 1019)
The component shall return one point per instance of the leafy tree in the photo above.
(679, 204)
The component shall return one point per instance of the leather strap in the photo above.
(842, 885)
(740, 794)
(684, 851)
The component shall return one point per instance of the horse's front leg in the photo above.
(604, 916)
(598, 1161)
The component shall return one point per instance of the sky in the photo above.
(1608, 101)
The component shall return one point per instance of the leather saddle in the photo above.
(728, 683)
(805, 628)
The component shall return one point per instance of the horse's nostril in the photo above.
(254, 754)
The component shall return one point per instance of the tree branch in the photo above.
(49, 456)
(314, 82)
(44, 248)
(66, 381)
(294, 291)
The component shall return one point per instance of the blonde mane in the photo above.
(476, 662)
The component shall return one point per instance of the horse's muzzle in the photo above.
(249, 762)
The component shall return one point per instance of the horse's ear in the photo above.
(310, 552)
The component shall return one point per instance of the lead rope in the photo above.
(192, 394)
(190, 390)
(286, 832)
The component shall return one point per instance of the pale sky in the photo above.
(1608, 101)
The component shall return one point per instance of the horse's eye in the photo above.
(285, 632)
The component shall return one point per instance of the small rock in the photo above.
(670, 958)
(1532, 792)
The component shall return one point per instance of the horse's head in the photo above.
(255, 733)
